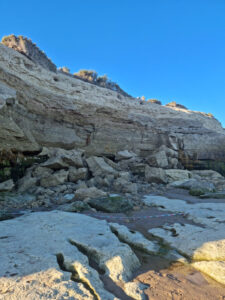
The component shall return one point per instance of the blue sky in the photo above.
(171, 50)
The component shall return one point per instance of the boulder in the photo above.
(173, 162)
(89, 193)
(40, 172)
(137, 168)
(176, 175)
(192, 184)
(111, 204)
(7, 186)
(163, 157)
(156, 175)
(125, 154)
(55, 179)
(158, 160)
(125, 175)
(55, 163)
(207, 174)
(71, 157)
(122, 185)
(16, 200)
(60, 159)
(99, 167)
(77, 174)
(112, 164)
(76, 206)
(26, 182)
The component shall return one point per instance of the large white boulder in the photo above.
(99, 167)
(157, 175)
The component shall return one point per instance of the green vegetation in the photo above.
(14, 165)
(196, 193)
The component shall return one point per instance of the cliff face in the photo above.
(41, 108)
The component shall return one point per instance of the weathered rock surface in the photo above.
(135, 290)
(89, 193)
(38, 248)
(99, 167)
(55, 179)
(125, 154)
(135, 239)
(193, 184)
(209, 214)
(215, 269)
(76, 206)
(77, 174)
(60, 158)
(7, 186)
(203, 245)
(40, 108)
(176, 174)
(48, 284)
(122, 185)
(199, 244)
(157, 175)
(111, 204)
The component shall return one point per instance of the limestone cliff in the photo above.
(41, 108)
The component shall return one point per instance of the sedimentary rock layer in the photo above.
(42, 108)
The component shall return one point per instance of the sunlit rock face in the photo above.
(41, 108)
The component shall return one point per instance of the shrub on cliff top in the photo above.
(155, 101)
(103, 81)
(64, 69)
(175, 104)
(89, 75)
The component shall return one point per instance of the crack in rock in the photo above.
(77, 274)
(134, 239)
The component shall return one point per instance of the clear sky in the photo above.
(171, 50)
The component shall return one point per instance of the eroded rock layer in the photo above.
(42, 108)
